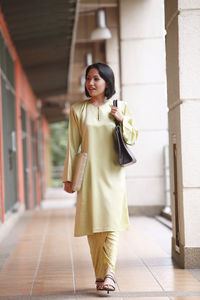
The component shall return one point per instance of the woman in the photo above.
(101, 211)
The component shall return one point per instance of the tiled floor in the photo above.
(47, 262)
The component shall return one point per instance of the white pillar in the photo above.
(183, 87)
(112, 46)
(143, 85)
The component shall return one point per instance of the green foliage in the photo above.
(56, 183)
(59, 132)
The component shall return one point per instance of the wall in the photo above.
(24, 96)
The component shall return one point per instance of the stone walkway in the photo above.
(40, 259)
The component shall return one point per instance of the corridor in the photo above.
(40, 259)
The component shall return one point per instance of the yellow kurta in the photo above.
(102, 200)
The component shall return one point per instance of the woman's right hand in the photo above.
(68, 187)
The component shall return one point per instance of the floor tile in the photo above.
(185, 298)
(175, 279)
(147, 298)
(48, 260)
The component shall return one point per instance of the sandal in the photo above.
(109, 287)
(99, 284)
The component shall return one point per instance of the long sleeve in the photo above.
(129, 132)
(73, 143)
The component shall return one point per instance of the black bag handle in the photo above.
(115, 104)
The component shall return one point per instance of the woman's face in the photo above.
(95, 84)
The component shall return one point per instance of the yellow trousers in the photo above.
(104, 250)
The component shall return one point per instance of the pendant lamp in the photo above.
(88, 59)
(101, 32)
(82, 84)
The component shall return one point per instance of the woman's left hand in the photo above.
(117, 113)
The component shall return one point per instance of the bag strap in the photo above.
(116, 105)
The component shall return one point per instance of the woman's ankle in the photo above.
(110, 272)
(99, 279)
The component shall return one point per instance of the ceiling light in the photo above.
(88, 59)
(101, 32)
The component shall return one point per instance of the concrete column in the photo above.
(143, 86)
(112, 46)
(183, 88)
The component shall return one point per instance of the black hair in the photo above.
(107, 74)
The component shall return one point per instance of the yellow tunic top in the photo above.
(102, 199)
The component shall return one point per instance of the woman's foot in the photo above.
(109, 283)
(99, 284)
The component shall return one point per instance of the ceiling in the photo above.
(42, 33)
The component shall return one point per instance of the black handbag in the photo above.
(126, 156)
